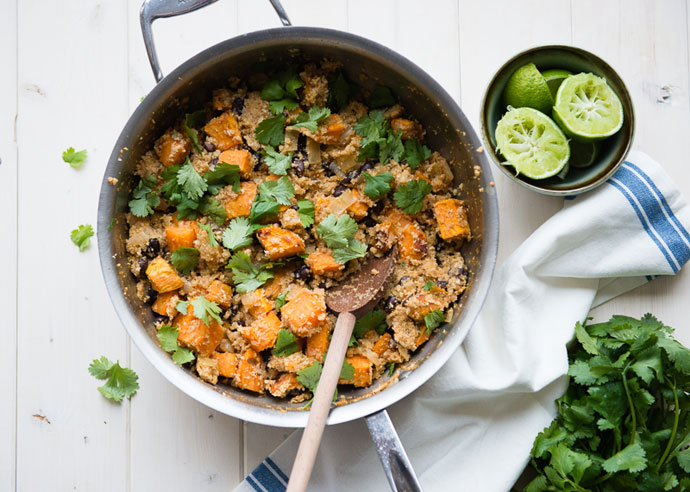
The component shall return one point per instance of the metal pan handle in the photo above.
(396, 464)
(156, 9)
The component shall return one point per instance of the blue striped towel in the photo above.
(486, 405)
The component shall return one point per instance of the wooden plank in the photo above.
(647, 43)
(486, 42)
(72, 92)
(178, 443)
(8, 247)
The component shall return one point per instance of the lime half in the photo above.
(554, 77)
(527, 88)
(583, 154)
(532, 143)
(587, 108)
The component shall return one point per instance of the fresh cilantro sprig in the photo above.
(167, 336)
(211, 235)
(310, 375)
(410, 196)
(311, 120)
(81, 236)
(185, 259)
(623, 424)
(203, 309)
(378, 185)
(270, 131)
(246, 276)
(191, 182)
(280, 301)
(74, 158)
(194, 120)
(222, 175)
(433, 320)
(373, 320)
(282, 91)
(276, 162)
(121, 381)
(286, 343)
(416, 153)
(428, 286)
(144, 198)
(338, 234)
(239, 234)
(306, 211)
(270, 196)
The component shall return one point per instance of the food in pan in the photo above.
(247, 211)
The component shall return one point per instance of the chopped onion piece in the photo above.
(313, 151)
(339, 205)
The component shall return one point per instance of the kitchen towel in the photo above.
(471, 427)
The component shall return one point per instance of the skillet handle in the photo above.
(156, 9)
(396, 464)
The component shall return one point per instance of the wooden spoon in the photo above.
(353, 298)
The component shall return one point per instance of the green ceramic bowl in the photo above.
(613, 150)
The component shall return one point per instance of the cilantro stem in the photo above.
(675, 424)
(632, 406)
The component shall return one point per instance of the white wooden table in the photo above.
(72, 73)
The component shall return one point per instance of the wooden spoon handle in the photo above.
(309, 445)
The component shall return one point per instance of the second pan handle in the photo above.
(156, 9)
(396, 464)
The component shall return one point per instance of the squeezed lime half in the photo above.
(532, 143)
(587, 108)
(527, 87)
(554, 77)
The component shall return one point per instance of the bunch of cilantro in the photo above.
(624, 422)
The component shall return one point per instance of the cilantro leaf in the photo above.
(263, 208)
(631, 458)
(338, 92)
(378, 185)
(282, 91)
(167, 336)
(433, 320)
(277, 163)
(291, 86)
(192, 184)
(194, 120)
(428, 285)
(203, 309)
(74, 158)
(185, 259)
(238, 234)
(121, 381)
(381, 97)
(212, 208)
(373, 320)
(222, 175)
(410, 196)
(280, 301)
(281, 190)
(309, 376)
(354, 249)
(311, 119)
(81, 236)
(286, 343)
(391, 147)
(280, 105)
(391, 369)
(246, 276)
(270, 131)
(111, 225)
(211, 235)
(347, 371)
(306, 211)
(337, 231)
(145, 199)
(372, 126)
(272, 91)
(416, 153)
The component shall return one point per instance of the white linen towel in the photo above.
(471, 426)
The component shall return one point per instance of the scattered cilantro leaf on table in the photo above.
(286, 343)
(74, 158)
(410, 196)
(270, 131)
(191, 121)
(167, 336)
(238, 234)
(310, 120)
(433, 320)
(246, 276)
(185, 259)
(306, 211)
(416, 153)
(121, 381)
(377, 185)
(277, 163)
(144, 198)
(81, 236)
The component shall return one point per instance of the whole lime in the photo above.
(527, 88)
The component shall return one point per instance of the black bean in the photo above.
(390, 303)
(369, 221)
(352, 175)
(464, 272)
(210, 146)
(213, 163)
(442, 283)
(295, 207)
(153, 247)
(339, 190)
(143, 263)
(377, 208)
(298, 166)
(158, 318)
(327, 168)
(151, 295)
(234, 309)
(403, 279)
(238, 105)
(367, 166)
(170, 210)
(322, 285)
(240, 322)
(301, 143)
(303, 273)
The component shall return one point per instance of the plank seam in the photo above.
(16, 233)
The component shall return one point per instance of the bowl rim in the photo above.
(237, 408)
(490, 149)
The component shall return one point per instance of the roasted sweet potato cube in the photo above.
(305, 314)
(250, 372)
(227, 363)
(196, 335)
(322, 263)
(422, 303)
(280, 243)
(382, 344)
(413, 243)
(257, 303)
(359, 209)
(282, 278)
(363, 371)
(220, 293)
(240, 158)
(172, 148)
(410, 129)
(335, 126)
(422, 337)
(317, 344)
(263, 332)
(162, 276)
(225, 131)
(284, 384)
(241, 203)
(165, 303)
(180, 235)
(452, 219)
